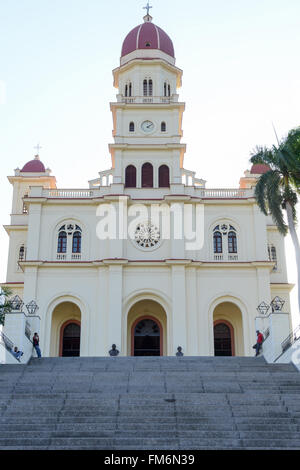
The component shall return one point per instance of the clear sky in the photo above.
(241, 67)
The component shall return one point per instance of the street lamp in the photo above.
(32, 307)
(277, 304)
(16, 303)
(263, 308)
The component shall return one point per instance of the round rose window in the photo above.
(147, 235)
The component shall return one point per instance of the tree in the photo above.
(277, 190)
(5, 303)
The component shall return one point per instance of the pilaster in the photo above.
(115, 296)
(179, 308)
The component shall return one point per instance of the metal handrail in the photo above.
(266, 333)
(6, 342)
(287, 343)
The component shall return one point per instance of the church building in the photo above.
(145, 257)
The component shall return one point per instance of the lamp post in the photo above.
(277, 304)
(17, 304)
(32, 307)
(263, 308)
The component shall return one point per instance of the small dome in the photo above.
(259, 169)
(147, 36)
(34, 166)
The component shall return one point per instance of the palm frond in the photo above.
(260, 192)
(263, 155)
(275, 200)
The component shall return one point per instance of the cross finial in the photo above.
(147, 7)
(38, 147)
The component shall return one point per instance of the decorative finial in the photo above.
(147, 7)
(37, 147)
(147, 17)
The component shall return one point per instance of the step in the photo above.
(150, 403)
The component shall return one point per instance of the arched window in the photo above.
(130, 177)
(145, 87)
(272, 255)
(163, 127)
(164, 176)
(147, 175)
(167, 89)
(25, 207)
(62, 240)
(130, 89)
(148, 87)
(232, 242)
(76, 243)
(131, 127)
(126, 90)
(218, 242)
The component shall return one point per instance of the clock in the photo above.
(147, 127)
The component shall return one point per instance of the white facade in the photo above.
(107, 286)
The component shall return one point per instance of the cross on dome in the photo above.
(38, 147)
(147, 18)
(147, 7)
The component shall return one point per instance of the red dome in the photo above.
(34, 166)
(259, 169)
(147, 36)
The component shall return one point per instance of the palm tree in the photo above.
(5, 303)
(277, 190)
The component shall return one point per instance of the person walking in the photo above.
(259, 342)
(36, 344)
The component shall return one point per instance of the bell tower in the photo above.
(147, 116)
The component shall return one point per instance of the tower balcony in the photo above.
(147, 99)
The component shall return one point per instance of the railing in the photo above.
(76, 256)
(203, 193)
(224, 193)
(69, 193)
(64, 257)
(287, 343)
(221, 257)
(27, 329)
(266, 333)
(147, 99)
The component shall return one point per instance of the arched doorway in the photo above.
(227, 330)
(66, 340)
(147, 337)
(70, 339)
(223, 339)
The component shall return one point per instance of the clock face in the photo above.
(147, 127)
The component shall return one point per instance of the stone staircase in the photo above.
(154, 403)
